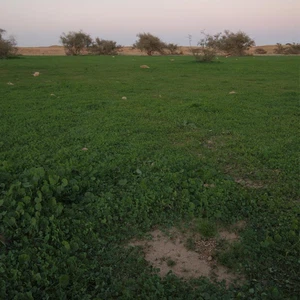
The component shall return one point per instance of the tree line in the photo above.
(230, 43)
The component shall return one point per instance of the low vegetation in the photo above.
(96, 152)
(260, 51)
(233, 43)
(77, 43)
(104, 47)
(289, 48)
(8, 47)
(203, 53)
(150, 44)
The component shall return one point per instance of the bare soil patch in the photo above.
(250, 183)
(188, 255)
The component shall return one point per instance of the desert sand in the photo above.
(59, 50)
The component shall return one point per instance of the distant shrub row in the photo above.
(287, 49)
(7, 46)
(229, 43)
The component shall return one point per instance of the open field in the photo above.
(209, 151)
(59, 50)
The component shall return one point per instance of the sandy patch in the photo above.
(187, 255)
(127, 50)
(250, 183)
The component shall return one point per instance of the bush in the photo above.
(104, 47)
(292, 49)
(279, 49)
(149, 43)
(287, 49)
(7, 46)
(260, 51)
(232, 43)
(75, 42)
(173, 49)
(203, 53)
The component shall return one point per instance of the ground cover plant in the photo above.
(83, 172)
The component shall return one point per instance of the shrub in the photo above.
(260, 51)
(75, 42)
(292, 49)
(233, 43)
(203, 53)
(287, 49)
(7, 46)
(173, 49)
(104, 47)
(279, 49)
(149, 43)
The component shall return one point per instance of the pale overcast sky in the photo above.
(41, 22)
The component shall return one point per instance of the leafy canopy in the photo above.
(230, 42)
(7, 46)
(149, 43)
(75, 42)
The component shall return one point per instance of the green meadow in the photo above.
(83, 172)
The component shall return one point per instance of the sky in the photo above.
(41, 22)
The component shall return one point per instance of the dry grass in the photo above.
(59, 50)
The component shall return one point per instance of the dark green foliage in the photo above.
(173, 49)
(76, 42)
(204, 52)
(149, 43)
(260, 51)
(229, 42)
(289, 48)
(104, 47)
(7, 46)
(208, 229)
(292, 49)
(179, 148)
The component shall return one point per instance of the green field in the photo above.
(66, 214)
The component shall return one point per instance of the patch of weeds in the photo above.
(171, 263)
(206, 227)
(231, 255)
(190, 244)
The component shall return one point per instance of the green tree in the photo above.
(149, 43)
(104, 47)
(233, 43)
(204, 52)
(7, 46)
(76, 42)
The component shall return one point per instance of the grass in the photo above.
(180, 147)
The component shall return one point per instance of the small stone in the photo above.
(36, 74)
(84, 149)
(210, 258)
(144, 67)
(52, 94)
(124, 98)
(232, 92)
